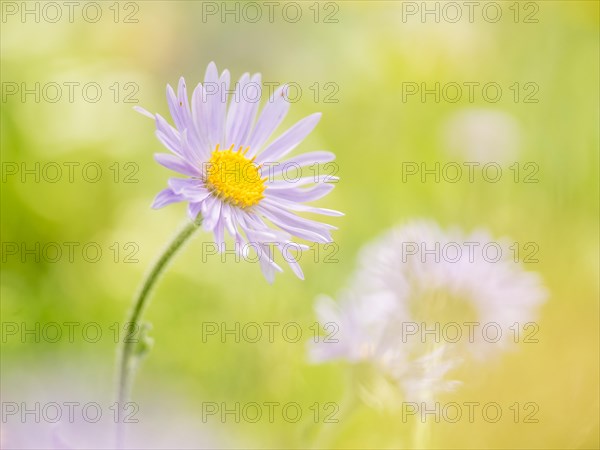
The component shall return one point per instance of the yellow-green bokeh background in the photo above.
(369, 53)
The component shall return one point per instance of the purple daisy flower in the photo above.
(235, 180)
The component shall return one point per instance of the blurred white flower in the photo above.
(423, 300)
(51, 408)
(482, 135)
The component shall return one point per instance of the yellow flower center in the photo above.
(234, 178)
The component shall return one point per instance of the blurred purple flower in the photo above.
(406, 287)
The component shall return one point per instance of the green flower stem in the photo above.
(422, 434)
(127, 351)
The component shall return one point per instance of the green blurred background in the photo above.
(368, 55)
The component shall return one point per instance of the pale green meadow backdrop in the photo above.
(355, 61)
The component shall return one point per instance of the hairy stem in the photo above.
(126, 361)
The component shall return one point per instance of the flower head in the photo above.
(235, 179)
(424, 299)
